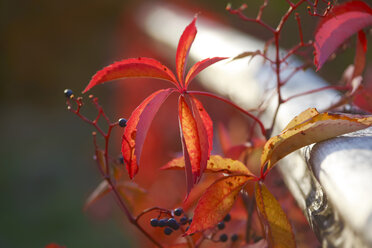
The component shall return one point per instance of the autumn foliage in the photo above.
(226, 187)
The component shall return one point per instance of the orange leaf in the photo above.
(216, 202)
(205, 131)
(278, 231)
(315, 129)
(184, 45)
(190, 134)
(132, 68)
(215, 163)
(137, 127)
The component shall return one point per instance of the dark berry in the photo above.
(184, 220)
(121, 159)
(190, 220)
(122, 122)
(167, 231)
(154, 222)
(163, 222)
(68, 93)
(234, 237)
(178, 211)
(221, 225)
(187, 228)
(173, 224)
(223, 238)
(227, 218)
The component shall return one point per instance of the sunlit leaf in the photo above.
(190, 134)
(183, 49)
(343, 21)
(216, 202)
(198, 67)
(319, 127)
(215, 163)
(132, 68)
(303, 116)
(137, 127)
(278, 230)
(205, 131)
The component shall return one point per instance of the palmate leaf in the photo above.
(132, 68)
(199, 66)
(137, 127)
(184, 45)
(216, 202)
(189, 129)
(278, 231)
(343, 21)
(301, 132)
(204, 126)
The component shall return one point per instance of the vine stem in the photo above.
(203, 93)
(105, 172)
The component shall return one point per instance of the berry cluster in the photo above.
(221, 225)
(171, 224)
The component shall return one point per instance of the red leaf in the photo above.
(363, 98)
(216, 202)
(183, 49)
(342, 22)
(360, 54)
(129, 68)
(190, 134)
(198, 67)
(205, 131)
(137, 127)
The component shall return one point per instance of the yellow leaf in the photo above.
(303, 116)
(303, 131)
(215, 163)
(277, 229)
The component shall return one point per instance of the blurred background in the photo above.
(47, 170)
